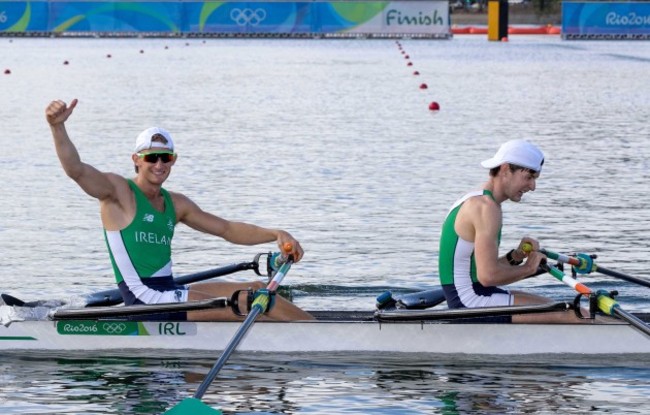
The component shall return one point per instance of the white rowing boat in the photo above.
(331, 332)
(410, 324)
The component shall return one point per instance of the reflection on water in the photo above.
(326, 384)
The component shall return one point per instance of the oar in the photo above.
(193, 405)
(113, 296)
(605, 303)
(584, 265)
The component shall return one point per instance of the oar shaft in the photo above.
(218, 272)
(578, 262)
(571, 282)
(234, 342)
(632, 319)
(259, 306)
(606, 303)
(625, 277)
(561, 257)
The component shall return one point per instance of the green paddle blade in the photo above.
(192, 406)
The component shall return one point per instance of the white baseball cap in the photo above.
(519, 152)
(154, 137)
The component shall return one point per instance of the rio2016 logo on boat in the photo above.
(95, 328)
(125, 328)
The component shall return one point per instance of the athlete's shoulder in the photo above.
(480, 201)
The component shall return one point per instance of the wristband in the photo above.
(511, 260)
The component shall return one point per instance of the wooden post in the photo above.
(497, 19)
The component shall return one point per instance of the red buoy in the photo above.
(423, 86)
(434, 106)
(7, 71)
(416, 73)
(409, 64)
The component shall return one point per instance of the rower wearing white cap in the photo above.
(139, 217)
(471, 272)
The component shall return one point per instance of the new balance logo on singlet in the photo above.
(148, 217)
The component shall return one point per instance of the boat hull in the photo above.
(328, 335)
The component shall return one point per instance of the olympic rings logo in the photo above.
(243, 17)
(114, 328)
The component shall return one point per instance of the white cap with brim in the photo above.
(518, 152)
(154, 137)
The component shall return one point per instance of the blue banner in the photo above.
(22, 16)
(607, 19)
(238, 17)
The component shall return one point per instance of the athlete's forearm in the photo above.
(242, 233)
(66, 151)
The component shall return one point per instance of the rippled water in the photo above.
(332, 140)
(325, 384)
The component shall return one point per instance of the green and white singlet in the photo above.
(141, 252)
(457, 266)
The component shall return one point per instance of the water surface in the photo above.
(333, 141)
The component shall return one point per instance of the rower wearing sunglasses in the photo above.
(139, 216)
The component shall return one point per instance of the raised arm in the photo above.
(91, 180)
(239, 233)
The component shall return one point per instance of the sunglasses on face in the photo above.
(154, 157)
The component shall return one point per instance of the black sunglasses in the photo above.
(154, 157)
